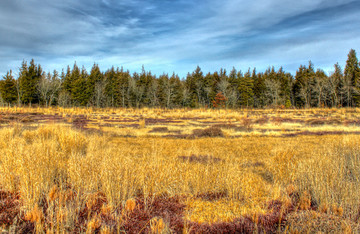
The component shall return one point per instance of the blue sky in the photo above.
(178, 35)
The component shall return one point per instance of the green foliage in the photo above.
(28, 79)
(288, 103)
(95, 77)
(352, 78)
(246, 89)
(78, 86)
(8, 88)
(118, 88)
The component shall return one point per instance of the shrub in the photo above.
(208, 132)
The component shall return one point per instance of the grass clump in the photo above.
(57, 178)
(208, 132)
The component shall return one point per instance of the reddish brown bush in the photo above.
(9, 207)
(208, 132)
(219, 101)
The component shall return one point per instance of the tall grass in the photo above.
(333, 176)
(69, 169)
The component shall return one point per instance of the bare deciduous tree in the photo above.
(19, 92)
(47, 87)
(137, 91)
(233, 98)
(321, 83)
(99, 95)
(333, 85)
(305, 93)
(185, 95)
(153, 93)
(348, 90)
(230, 94)
(64, 99)
(273, 89)
(169, 89)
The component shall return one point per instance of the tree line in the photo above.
(118, 88)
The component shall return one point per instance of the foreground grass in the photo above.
(55, 178)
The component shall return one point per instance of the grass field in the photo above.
(182, 171)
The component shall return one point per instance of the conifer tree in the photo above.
(73, 78)
(78, 89)
(195, 85)
(111, 89)
(336, 83)
(95, 77)
(246, 89)
(8, 88)
(352, 76)
(66, 80)
(29, 77)
(302, 85)
(259, 90)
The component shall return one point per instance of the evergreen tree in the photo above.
(259, 90)
(110, 89)
(29, 78)
(67, 83)
(246, 89)
(74, 82)
(8, 88)
(178, 93)
(117, 87)
(95, 77)
(302, 89)
(78, 89)
(352, 76)
(336, 84)
(195, 85)
(286, 80)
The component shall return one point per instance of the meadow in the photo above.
(117, 170)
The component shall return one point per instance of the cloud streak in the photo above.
(178, 35)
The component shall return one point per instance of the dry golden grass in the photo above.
(74, 169)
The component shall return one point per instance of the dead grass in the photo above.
(66, 176)
(208, 132)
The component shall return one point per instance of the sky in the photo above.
(167, 36)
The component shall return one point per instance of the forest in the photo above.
(116, 87)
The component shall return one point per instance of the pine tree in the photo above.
(29, 77)
(8, 88)
(94, 78)
(111, 89)
(286, 80)
(195, 85)
(66, 80)
(78, 90)
(246, 89)
(352, 76)
(302, 85)
(259, 90)
(73, 82)
(177, 98)
(336, 84)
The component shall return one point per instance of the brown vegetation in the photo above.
(82, 175)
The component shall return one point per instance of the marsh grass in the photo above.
(70, 180)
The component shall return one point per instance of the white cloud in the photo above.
(164, 37)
